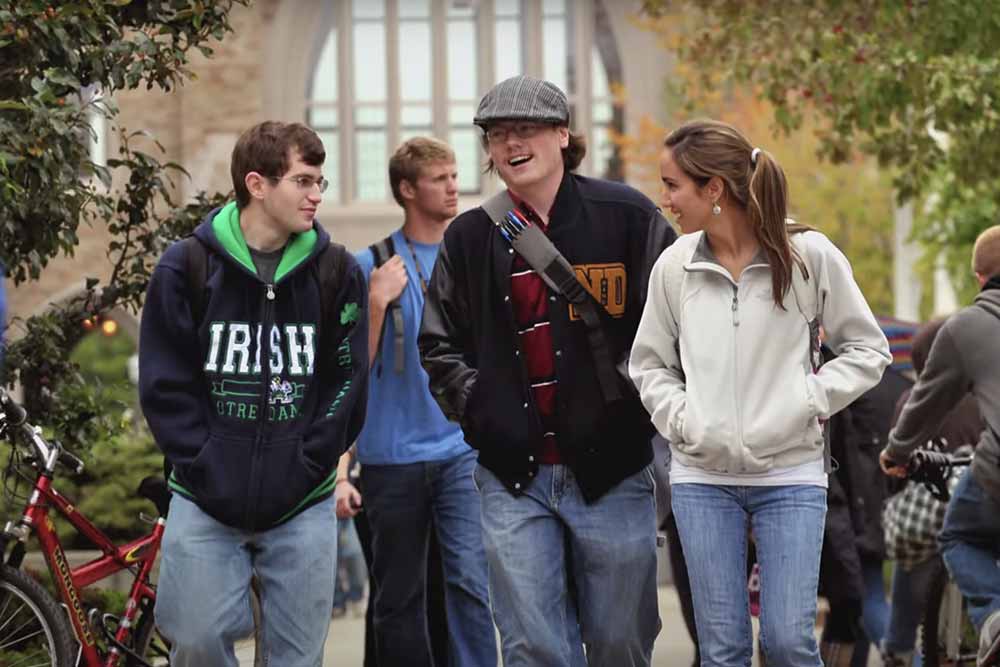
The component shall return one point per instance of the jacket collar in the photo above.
(220, 230)
(565, 214)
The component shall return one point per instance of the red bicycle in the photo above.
(35, 627)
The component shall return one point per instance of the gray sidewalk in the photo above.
(344, 646)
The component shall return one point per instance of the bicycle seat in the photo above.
(154, 488)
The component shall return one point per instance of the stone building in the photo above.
(367, 74)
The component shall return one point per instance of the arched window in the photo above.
(387, 70)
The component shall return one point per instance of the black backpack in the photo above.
(329, 267)
(382, 252)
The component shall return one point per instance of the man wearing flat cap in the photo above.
(564, 458)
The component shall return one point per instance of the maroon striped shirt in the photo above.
(529, 298)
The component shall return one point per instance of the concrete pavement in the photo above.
(345, 644)
(673, 648)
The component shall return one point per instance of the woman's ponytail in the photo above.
(767, 207)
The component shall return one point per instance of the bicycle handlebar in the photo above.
(50, 453)
(933, 469)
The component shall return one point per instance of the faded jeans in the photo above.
(970, 545)
(565, 574)
(787, 522)
(203, 601)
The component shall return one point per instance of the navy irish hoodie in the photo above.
(254, 404)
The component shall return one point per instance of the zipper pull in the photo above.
(736, 314)
(270, 292)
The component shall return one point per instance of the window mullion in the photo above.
(583, 32)
(439, 65)
(345, 101)
(531, 22)
(393, 95)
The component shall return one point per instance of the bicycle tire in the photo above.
(148, 642)
(33, 624)
(935, 629)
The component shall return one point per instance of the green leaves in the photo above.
(915, 84)
(59, 62)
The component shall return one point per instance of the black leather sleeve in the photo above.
(446, 337)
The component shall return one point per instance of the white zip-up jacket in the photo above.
(728, 379)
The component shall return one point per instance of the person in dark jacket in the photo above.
(853, 542)
(966, 357)
(253, 384)
(569, 517)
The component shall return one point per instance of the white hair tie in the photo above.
(753, 156)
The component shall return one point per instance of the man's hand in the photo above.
(347, 500)
(891, 467)
(387, 282)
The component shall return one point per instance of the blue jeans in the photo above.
(564, 573)
(875, 610)
(910, 588)
(352, 572)
(970, 545)
(202, 600)
(401, 501)
(787, 524)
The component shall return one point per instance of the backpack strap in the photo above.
(675, 275)
(805, 290)
(330, 270)
(806, 293)
(196, 260)
(382, 252)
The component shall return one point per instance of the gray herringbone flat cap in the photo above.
(523, 98)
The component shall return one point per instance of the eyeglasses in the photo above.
(305, 182)
(499, 133)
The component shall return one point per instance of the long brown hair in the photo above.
(753, 180)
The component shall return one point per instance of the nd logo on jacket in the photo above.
(607, 283)
(237, 383)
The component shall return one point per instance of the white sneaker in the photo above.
(989, 642)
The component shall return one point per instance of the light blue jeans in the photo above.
(202, 599)
(787, 522)
(970, 545)
(565, 574)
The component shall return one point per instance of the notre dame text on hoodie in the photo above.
(254, 403)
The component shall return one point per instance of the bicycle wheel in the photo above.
(147, 642)
(948, 638)
(155, 650)
(34, 629)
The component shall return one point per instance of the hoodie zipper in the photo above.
(736, 370)
(265, 367)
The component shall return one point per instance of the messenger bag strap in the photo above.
(538, 251)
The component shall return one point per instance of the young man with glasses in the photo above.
(253, 378)
(416, 470)
(565, 479)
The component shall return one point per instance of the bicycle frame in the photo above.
(140, 553)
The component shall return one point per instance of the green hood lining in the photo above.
(226, 226)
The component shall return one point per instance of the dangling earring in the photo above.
(716, 209)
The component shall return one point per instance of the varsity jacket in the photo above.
(468, 340)
(254, 403)
(965, 357)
